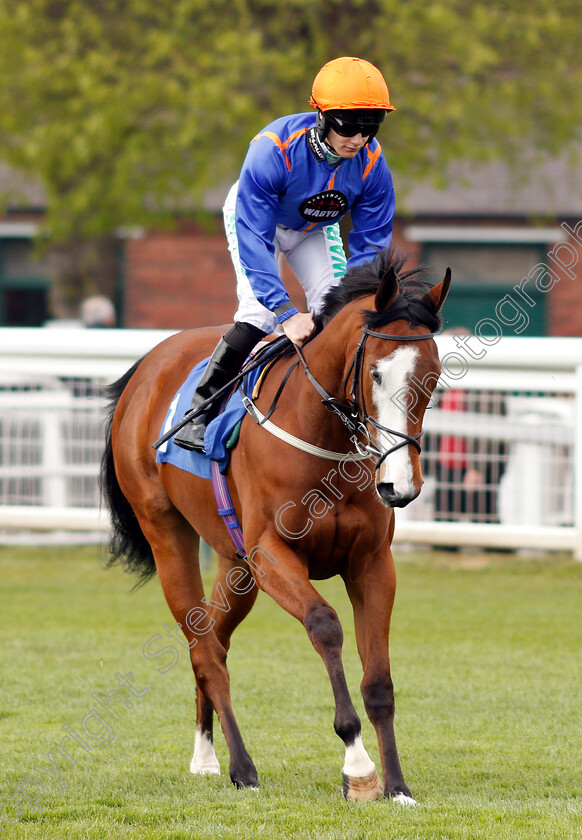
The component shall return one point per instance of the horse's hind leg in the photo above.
(233, 596)
(175, 547)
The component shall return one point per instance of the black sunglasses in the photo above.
(350, 129)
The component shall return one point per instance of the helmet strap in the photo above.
(330, 153)
(322, 125)
(321, 130)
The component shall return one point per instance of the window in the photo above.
(24, 284)
(482, 275)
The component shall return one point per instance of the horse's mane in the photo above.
(410, 303)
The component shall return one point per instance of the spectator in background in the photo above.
(98, 312)
(458, 483)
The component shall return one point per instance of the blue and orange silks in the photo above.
(287, 180)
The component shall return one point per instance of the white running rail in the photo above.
(502, 452)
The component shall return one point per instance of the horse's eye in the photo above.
(376, 376)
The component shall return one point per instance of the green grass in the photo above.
(486, 661)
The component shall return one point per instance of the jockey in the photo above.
(301, 175)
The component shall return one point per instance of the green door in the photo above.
(466, 305)
(483, 276)
(24, 285)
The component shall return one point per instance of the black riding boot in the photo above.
(224, 364)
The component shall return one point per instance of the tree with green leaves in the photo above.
(127, 111)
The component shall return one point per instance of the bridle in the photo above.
(353, 414)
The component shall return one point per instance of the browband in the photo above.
(375, 334)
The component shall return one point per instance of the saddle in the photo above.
(222, 432)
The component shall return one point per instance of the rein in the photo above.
(268, 353)
(351, 414)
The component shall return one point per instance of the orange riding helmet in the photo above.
(350, 94)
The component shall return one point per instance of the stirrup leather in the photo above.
(222, 366)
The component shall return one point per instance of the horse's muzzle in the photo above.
(393, 499)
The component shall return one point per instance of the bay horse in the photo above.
(302, 520)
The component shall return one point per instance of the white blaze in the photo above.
(395, 370)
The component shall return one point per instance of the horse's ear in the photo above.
(438, 293)
(387, 290)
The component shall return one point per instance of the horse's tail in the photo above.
(128, 545)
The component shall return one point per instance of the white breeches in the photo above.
(316, 258)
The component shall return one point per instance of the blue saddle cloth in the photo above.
(218, 431)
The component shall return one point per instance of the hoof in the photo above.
(205, 770)
(403, 799)
(368, 788)
(243, 774)
(247, 785)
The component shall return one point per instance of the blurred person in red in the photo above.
(458, 484)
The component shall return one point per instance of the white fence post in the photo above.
(53, 458)
(46, 375)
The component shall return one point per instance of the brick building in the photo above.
(515, 249)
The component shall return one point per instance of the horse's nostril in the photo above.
(386, 491)
(393, 499)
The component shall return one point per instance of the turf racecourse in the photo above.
(486, 655)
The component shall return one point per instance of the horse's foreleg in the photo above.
(285, 578)
(175, 546)
(372, 597)
(234, 597)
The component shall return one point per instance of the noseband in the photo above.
(355, 416)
